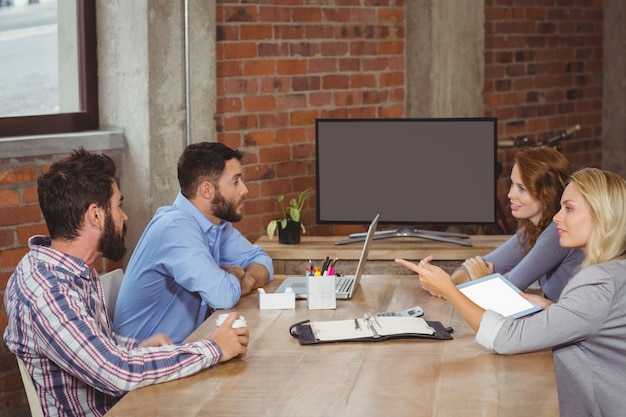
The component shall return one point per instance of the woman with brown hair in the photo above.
(533, 253)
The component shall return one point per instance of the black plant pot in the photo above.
(290, 235)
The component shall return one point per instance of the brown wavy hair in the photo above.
(544, 172)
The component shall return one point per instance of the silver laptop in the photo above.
(345, 286)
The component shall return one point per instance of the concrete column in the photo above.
(142, 90)
(614, 91)
(445, 58)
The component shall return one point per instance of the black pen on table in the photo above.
(357, 326)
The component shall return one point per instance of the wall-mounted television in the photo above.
(435, 171)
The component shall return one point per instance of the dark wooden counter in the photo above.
(293, 259)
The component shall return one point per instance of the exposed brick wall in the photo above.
(281, 66)
(543, 75)
(20, 217)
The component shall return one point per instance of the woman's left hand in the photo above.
(478, 267)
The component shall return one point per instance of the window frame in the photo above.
(85, 119)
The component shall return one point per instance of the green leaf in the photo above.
(303, 196)
(294, 213)
(271, 228)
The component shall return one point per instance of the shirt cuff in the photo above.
(214, 352)
(462, 267)
(488, 329)
(127, 342)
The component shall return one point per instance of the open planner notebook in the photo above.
(368, 329)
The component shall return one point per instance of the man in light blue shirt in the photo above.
(190, 260)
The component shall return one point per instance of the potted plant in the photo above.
(290, 225)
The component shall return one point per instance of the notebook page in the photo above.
(399, 325)
(346, 329)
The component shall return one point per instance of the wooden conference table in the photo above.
(395, 378)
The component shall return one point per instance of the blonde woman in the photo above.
(586, 328)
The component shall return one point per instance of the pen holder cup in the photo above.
(322, 292)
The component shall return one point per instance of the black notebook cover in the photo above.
(303, 332)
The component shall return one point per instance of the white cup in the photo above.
(240, 322)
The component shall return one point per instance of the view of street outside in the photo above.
(29, 68)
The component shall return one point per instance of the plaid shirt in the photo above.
(58, 325)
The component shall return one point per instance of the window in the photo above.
(75, 91)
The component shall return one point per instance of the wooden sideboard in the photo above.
(293, 259)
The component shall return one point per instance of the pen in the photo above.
(357, 326)
(311, 266)
(331, 267)
(325, 264)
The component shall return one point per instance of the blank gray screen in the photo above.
(410, 171)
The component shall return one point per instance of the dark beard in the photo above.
(111, 244)
(225, 210)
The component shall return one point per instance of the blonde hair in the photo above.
(605, 193)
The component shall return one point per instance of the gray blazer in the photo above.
(586, 329)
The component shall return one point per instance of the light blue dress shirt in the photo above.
(174, 277)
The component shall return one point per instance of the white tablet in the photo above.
(495, 292)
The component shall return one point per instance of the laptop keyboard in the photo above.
(342, 285)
